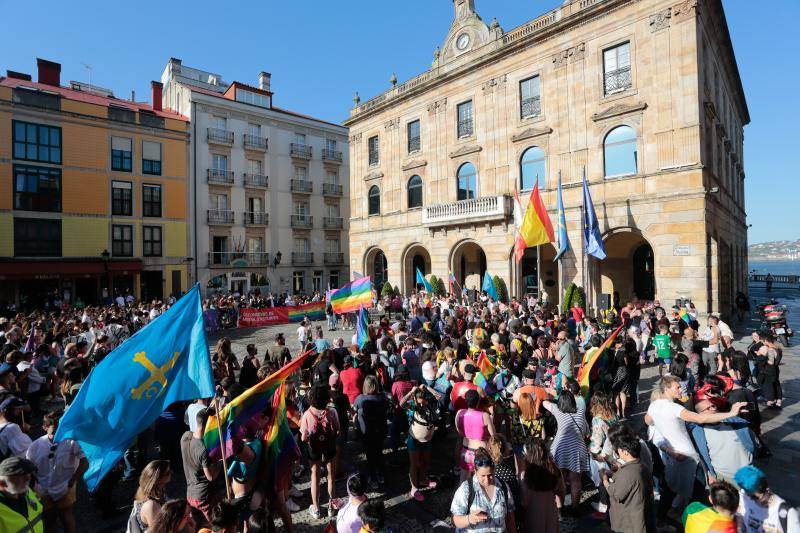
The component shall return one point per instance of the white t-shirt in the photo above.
(758, 519)
(666, 416)
(301, 334)
(13, 442)
(54, 468)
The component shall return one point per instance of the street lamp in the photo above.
(105, 255)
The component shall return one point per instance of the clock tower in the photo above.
(467, 33)
(463, 8)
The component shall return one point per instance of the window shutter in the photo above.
(121, 143)
(151, 150)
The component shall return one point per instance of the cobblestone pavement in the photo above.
(781, 431)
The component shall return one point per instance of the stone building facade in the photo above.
(644, 95)
(269, 187)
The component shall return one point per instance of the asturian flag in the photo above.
(563, 237)
(163, 363)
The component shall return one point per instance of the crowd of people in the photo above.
(493, 389)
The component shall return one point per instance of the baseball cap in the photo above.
(23, 366)
(11, 402)
(15, 466)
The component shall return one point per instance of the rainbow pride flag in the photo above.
(352, 296)
(697, 518)
(313, 311)
(486, 367)
(244, 410)
(586, 370)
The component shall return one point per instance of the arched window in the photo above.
(380, 270)
(619, 152)
(531, 168)
(374, 200)
(414, 192)
(467, 182)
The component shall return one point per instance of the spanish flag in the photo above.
(536, 227)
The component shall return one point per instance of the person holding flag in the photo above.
(424, 282)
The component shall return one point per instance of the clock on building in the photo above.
(463, 41)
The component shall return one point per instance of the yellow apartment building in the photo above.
(95, 194)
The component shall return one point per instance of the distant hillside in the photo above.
(774, 250)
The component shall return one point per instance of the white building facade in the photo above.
(269, 187)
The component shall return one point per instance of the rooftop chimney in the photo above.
(264, 81)
(18, 75)
(49, 72)
(158, 88)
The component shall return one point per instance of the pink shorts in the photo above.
(467, 460)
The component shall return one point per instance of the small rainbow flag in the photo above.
(312, 311)
(485, 366)
(586, 369)
(352, 296)
(245, 410)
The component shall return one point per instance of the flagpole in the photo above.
(222, 448)
(560, 259)
(583, 234)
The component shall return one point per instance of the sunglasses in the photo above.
(52, 453)
(481, 463)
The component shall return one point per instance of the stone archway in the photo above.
(415, 256)
(468, 264)
(533, 275)
(629, 267)
(376, 267)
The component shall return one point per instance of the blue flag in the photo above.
(563, 237)
(421, 280)
(592, 240)
(362, 327)
(488, 286)
(165, 362)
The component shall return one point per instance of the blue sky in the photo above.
(320, 53)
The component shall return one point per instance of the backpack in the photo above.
(422, 426)
(323, 438)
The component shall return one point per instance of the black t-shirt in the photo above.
(753, 415)
(322, 371)
(339, 355)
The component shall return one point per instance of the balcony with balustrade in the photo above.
(332, 189)
(255, 218)
(531, 107)
(332, 222)
(617, 81)
(476, 210)
(331, 156)
(302, 258)
(302, 221)
(237, 259)
(220, 217)
(220, 177)
(255, 142)
(218, 136)
(258, 181)
(302, 186)
(333, 258)
(302, 151)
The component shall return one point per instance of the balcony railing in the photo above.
(414, 144)
(255, 180)
(302, 258)
(302, 221)
(221, 177)
(618, 80)
(332, 222)
(300, 150)
(465, 128)
(465, 211)
(374, 157)
(531, 107)
(237, 259)
(254, 218)
(218, 136)
(334, 258)
(218, 216)
(331, 189)
(331, 155)
(304, 186)
(254, 142)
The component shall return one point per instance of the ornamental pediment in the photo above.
(374, 175)
(415, 163)
(465, 150)
(531, 133)
(619, 109)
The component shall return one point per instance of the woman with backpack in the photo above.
(483, 501)
(527, 423)
(421, 426)
(371, 408)
(319, 429)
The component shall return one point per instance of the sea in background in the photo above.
(784, 267)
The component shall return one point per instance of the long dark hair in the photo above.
(170, 517)
(541, 473)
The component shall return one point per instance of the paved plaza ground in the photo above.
(781, 431)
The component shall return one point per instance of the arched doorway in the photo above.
(537, 275)
(468, 264)
(629, 266)
(415, 257)
(376, 267)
